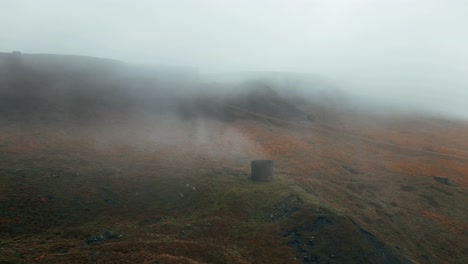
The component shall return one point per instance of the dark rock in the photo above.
(381, 251)
(320, 222)
(103, 236)
(325, 238)
(286, 208)
(352, 170)
(295, 241)
(443, 180)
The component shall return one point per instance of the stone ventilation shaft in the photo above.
(261, 170)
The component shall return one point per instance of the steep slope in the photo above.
(87, 156)
(171, 203)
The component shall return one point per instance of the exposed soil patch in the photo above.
(322, 237)
(286, 208)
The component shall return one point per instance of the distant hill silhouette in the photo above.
(65, 87)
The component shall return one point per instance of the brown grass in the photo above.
(387, 190)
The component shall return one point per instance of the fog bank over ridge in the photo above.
(410, 54)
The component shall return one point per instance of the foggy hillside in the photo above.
(105, 161)
(78, 88)
(234, 132)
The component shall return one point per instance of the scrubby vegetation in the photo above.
(173, 178)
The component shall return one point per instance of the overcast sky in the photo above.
(410, 51)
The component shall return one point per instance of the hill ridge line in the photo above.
(345, 134)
